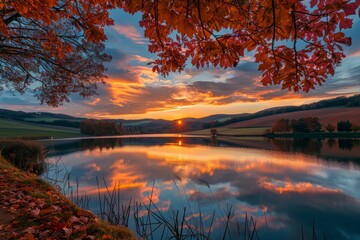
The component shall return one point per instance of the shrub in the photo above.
(344, 126)
(330, 128)
(356, 128)
(26, 155)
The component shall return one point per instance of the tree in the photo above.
(299, 125)
(281, 125)
(330, 128)
(344, 126)
(297, 43)
(307, 124)
(100, 127)
(355, 128)
(53, 47)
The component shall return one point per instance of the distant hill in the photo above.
(325, 115)
(44, 118)
(340, 102)
(20, 115)
(135, 126)
(329, 111)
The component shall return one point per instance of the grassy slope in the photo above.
(325, 115)
(11, 128)
(257, 126)
(31, 209)
(233, 131)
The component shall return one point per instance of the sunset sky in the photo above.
(133, 91)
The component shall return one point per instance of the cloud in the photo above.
(142, 59)
(93, 102)
(131, 33)
(136, 89)
(355, 54)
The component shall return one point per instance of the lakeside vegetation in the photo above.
(33, 209)
(227, 131)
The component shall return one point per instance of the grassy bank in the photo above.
(260, 132)
(226, 131)
(17, 129)
(32, 209)
(316, 135)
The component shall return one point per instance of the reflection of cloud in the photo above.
(290, 188)
(131, 33)
(219, 194)
(94, 167)
(300, 187)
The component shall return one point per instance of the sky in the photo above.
(134, 91)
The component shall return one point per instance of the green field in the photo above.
(49, 119)
(11, 129)
(233, 131)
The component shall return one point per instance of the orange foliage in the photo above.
(297, 43)
(52, 47)
(55, 47)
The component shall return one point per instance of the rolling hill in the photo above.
(325, 115)
(13, 128)
(328, 111)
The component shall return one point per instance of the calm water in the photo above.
(282, 184)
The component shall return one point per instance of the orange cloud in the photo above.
(142, 59)
(94, 102)
(131, 33)
(355, 54)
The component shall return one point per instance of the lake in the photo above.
(224, 188)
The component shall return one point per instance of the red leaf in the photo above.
(350, 8)
(346, 23)
(313, 3)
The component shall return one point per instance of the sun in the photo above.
(179, 122)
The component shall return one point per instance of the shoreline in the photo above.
(32, 208)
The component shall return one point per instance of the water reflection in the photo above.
(282, 183)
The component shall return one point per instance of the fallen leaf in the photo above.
(35, 212)
(67, 231)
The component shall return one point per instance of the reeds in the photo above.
(151, 223)
(57, 175)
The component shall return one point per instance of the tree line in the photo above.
(101, 127)
(310, 124)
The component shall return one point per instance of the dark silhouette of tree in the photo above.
(53, 48)
(191, 31)
(100, 127)
(344, 126)
(330, 128)
(281, 125)
(307, 124)
(356, 128)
